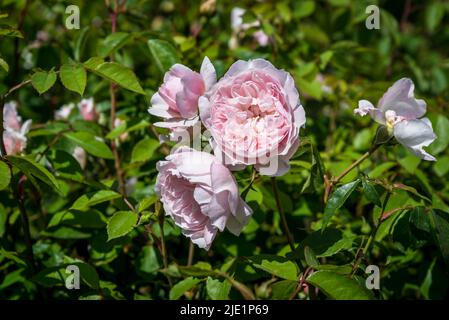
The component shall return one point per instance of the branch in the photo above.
(290, 238)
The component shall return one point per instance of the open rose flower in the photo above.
(238, 27)
(254, 115)
(201, 195)
(177, 99)
(401, 113)
(88, 110)
(14, 134)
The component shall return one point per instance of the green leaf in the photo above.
(371, 192)
(75, 218)
(80, 43)
(304, 8)
(42, 81)
(93, 63)
(116, 73)
(313, 88)
(275, 265)
(144, 150)
(442, 142)
(196, 271)
(339, 287)
(120, 224)
(181, 287)
(440, 224)
(326, 243)
(218, 290)
(282, 290)
(5, 175)
(310, 257)
(337, 199)
(89, 274)
(117, 131)
(148, 261)
(9, 32)
(34, 170)
(112, 43)
(73, 77)
(67, 166)
(434, 13)
(146, 203)
(92, 199)
(10, 255)
(4, 65)
(164, 54)
(91, 144)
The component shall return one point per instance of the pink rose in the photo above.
(177, 98)
(254, 115)
(14, 134)
(201, 195)
(88, 110)
(64, 112)
(403, 115)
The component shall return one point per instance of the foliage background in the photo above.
(335, 61)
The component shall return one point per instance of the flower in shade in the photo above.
(238, 27)
(80, 155)
(88, 110)
(117, 123)
(14, 134)
(177, 99)
(201, 195)
(64, 112)
(402, 114)
(254, 116)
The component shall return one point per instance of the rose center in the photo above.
(392, 118)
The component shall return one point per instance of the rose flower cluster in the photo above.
(253, 116)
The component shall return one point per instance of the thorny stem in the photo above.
(372, 236)
(19, 195)
(301, 282)
(191, 253)
(163, 248)
(330, 183)
(114, 12)
(290, 238)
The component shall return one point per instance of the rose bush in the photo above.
(210, 150)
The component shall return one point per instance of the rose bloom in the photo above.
(14, 134)
(254, 115)
(401, 113)
(88, 110)
(201, 195)
(238, 26)
(177, 99)
(64, 112)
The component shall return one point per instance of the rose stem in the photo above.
(372, 235)
(290, 238)
(191, 253)
(114, 12)
(331, 183)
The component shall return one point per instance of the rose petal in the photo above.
(414, 135)
(400, 98)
